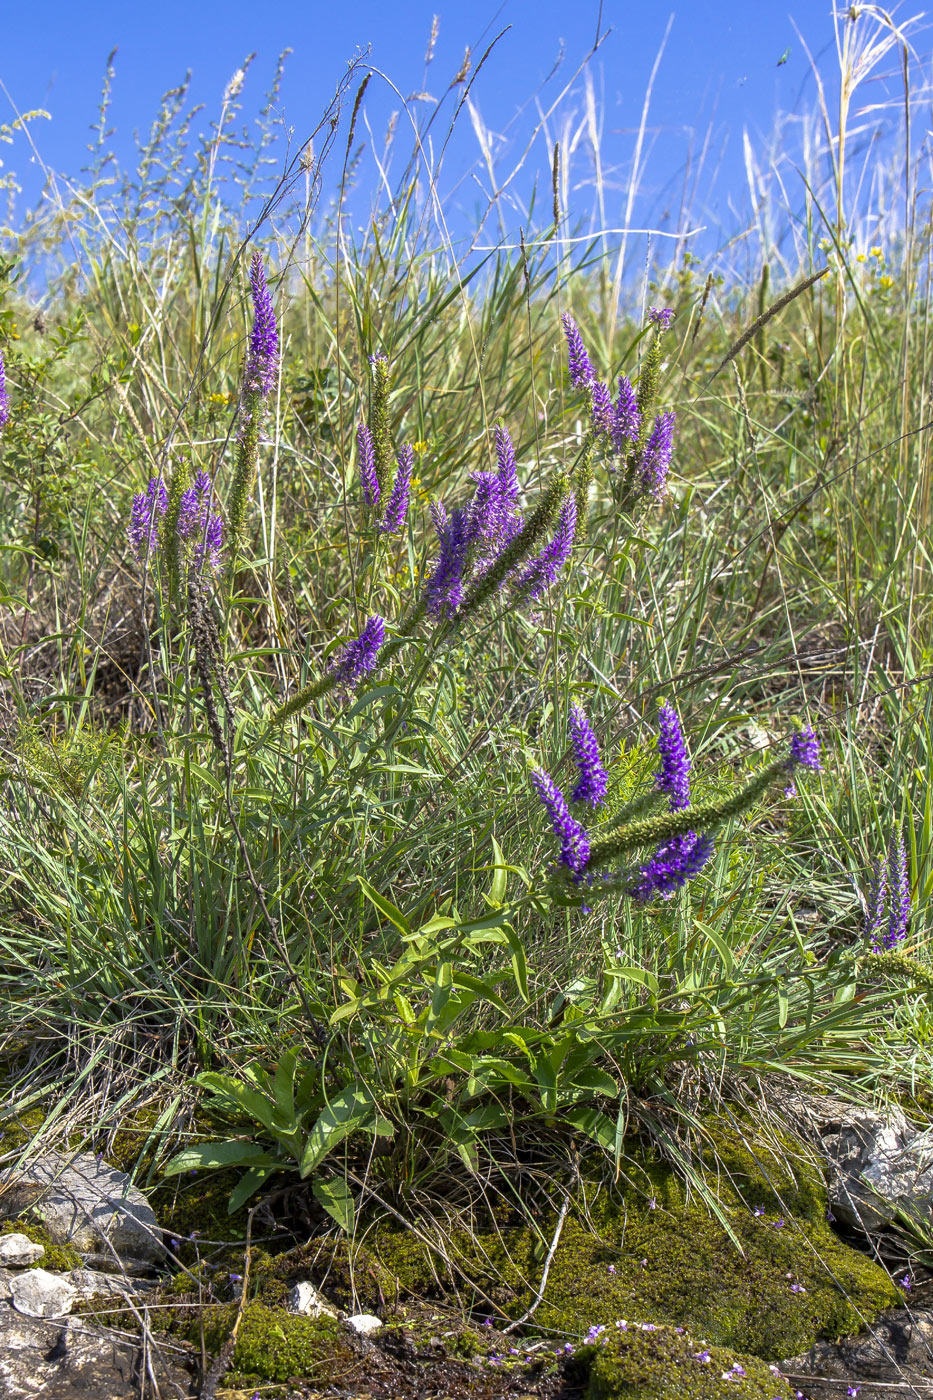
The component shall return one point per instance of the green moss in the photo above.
(673, 1262)
(274, 1345)
(57, 1257)
(664, 1365)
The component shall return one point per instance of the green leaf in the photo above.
(335, 1196)
(639, 975)
(386, 907)
(499, 878)
(594, 1124)
(482, 989)
(443, 985)
(595, 1081)
(203, 1155)
(247, 1185)
(250, 1102)
(345, 1114)
(283, 1085)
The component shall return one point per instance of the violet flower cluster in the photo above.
(888, 904)
(681, 858)
(4, 396)
(470, 538)
(622, 424)
(198, 530)
(591, 789)
(360, 655)
(397, 505)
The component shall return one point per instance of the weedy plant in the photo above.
(386, 619)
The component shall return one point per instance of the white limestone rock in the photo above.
(18, 1252)
(304, 1298)
(86, 1203)
(364, 1324)
(37, 1293)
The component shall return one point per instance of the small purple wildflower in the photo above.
(905, 1283)
(602, 411)
(262, 361)
(662, 318)
(397, 507)
(193, 507)
(574, 841)
(545, 569)
(797, 1288)
(702, 1356)
(852, 1390)
(790, 792)
(148, 508)
(367, 455)
(805, 749)
(593, 777)
(4, 396)
(899, 887)
(361, 655)
(626, 419)
(580, 369)
(656, 459)
(673, 776)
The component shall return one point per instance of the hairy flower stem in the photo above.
(244, 471)
(379, 424)
(171, 552)
(702, 816)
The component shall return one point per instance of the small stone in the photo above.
(37, 1293)
(17, 1251)
(364, 1324)
(93, 1283)
(304, 1298)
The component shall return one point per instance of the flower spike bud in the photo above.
(517, 550)
(546, 568)
(379, 420)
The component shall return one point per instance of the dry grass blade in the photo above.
(761, 321)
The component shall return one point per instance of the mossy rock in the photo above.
(667, 1365)
(658, 1256)
(273, 1345)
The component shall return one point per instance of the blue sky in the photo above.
(727, 64)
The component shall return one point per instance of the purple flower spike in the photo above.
(509, 490)
(262, 362)
(656, 458)
(545, 569)
(367, 455)
(361, 655)
(663, 318)
(574, 842)
(581, 371)
(148, 508)
(626, 419)
(397, 508)
(444, 589)
(4, 397)
(439, 516)
(593, 777)
(674, 774)
(805, 749)
(899, 887)
(877, 899)
(485, 508)
(672, 865)
(193, 508)
(602, 412)
(210, 547)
